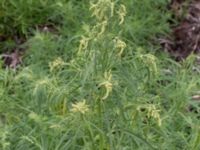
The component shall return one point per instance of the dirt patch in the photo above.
(12, 58)
(185, 38)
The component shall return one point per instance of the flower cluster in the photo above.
(56, 64)
(119, 44)
(80, 107)
(107, 84)
(122, 13)
(152, 112)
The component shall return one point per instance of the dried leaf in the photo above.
(186, 36)
(12, 60)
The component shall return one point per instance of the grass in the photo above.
(98, 82)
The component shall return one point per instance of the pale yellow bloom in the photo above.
(99, 28)
(151, 62)
(119, 44)
(83, 43)
(112, 8)
(80, 107)
(103, 27)
(101, 9)
(152, 112)
(122, 13)
(57, 63)
(107, 83)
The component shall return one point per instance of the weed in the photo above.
(98, 82)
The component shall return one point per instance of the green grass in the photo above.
(136, 97)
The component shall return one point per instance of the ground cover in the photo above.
(79, 74)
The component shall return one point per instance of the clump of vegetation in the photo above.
(98, 82)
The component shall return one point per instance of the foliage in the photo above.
(99, 82)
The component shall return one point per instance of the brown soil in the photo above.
(186, 35)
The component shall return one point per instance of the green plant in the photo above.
(97, 83)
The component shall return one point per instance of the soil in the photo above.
(185, 38)
(13, 58)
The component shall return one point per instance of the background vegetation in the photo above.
(93, 77)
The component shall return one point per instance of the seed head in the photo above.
(122, 13)
(80, 107)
